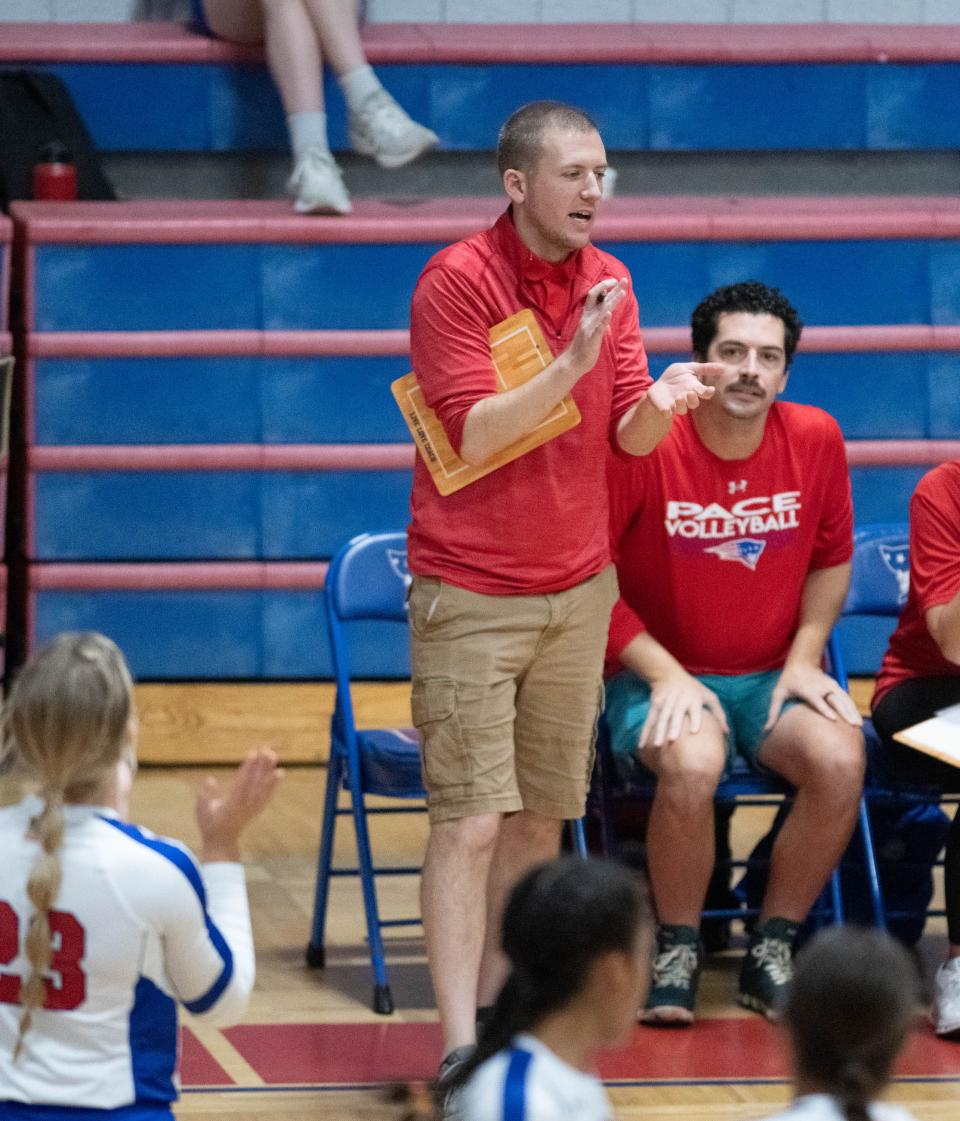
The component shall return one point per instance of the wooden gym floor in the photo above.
(311, 1049)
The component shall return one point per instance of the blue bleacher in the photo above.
(210, 325)
(651, 87)
(154, 325)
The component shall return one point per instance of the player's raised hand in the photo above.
(601, 302)
(224, 812)
(679, 388)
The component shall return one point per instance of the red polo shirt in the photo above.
(538, 524)
(934, 580)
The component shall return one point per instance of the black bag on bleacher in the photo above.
(36, 110)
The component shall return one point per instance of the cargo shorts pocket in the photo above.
(423, 605)
(446, 761)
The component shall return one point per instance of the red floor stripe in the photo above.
(726, 1049)
(197, 1066)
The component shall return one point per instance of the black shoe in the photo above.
(767, 968)
(447, 1098)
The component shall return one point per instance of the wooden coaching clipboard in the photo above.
(519, 352)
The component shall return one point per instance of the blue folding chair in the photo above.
(879, 585)
(366, 584)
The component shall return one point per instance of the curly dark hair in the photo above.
(520, 142)
(753, 297)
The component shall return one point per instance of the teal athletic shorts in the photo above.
(745, 699)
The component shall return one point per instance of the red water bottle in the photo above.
(54, 174)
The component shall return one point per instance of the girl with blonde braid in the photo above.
(104, 926)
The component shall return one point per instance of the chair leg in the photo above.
(578, 837)
(382, 997)
(836, 896)
(316, 955)
(870, 860)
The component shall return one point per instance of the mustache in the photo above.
(747, 385)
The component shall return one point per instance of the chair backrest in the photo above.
(879, 582)
(880, 578)
(368, 578)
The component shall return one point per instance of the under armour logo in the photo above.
(735, 485)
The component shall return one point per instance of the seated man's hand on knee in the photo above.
(815, 688)
(677, 702)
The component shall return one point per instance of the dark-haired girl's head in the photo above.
(572, 929)
(849, 1009)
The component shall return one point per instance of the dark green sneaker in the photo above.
(676, 972)
(768, 967)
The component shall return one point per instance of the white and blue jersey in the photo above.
(527, 1082)
(136, 929)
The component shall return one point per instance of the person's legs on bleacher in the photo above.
(379, 126)
(299, 36)
(823, 760)
(906, 704)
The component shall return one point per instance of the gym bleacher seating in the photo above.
(206, 398)
(208, 413)
(651, 86)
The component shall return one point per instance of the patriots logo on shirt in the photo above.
(746, 550)
(398, 562)
(897, 559)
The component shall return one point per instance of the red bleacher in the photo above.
(494, 43)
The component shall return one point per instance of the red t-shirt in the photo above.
(538, 524)
(712, 554)
(934, 580)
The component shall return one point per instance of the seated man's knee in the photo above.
(832, 757)
(690, 767)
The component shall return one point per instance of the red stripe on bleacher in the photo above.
(410, 43)
(319, 344)
(641, 218)
(307, 575)
(222, 457)
(184, 344)
(901, 453)
(369, 457)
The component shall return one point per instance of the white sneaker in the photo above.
(380, 128)
(317, 185)
(946, 998)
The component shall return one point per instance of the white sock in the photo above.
(307, 130)
(357, 85)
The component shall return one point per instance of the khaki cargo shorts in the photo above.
(506, 695)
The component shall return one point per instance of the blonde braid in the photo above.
(64, 725)
(43, 886)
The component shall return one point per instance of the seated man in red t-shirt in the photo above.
(734, 540)
(921, 674)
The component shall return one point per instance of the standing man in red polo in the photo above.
(513, 585)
